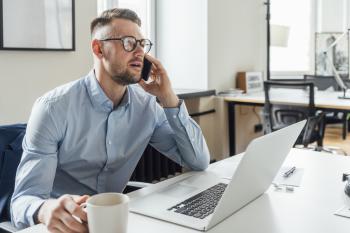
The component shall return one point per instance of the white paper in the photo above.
(293, 180)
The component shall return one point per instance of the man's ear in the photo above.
(96, 48)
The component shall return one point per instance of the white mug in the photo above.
(108, 213)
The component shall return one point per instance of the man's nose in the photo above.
(139, 48)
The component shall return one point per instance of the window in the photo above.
(297, 57)
(143, 9)
(105, 4)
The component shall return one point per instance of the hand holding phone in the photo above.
(160, 86)
(146, 70)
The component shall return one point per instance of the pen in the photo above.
(289, 172)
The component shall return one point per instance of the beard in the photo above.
(125, 78)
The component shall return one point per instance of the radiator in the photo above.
(154, 166)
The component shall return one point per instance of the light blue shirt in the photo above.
(76, 128)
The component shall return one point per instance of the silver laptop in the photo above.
(203, 200)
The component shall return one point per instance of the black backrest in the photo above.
(11, 137)
(278, 115)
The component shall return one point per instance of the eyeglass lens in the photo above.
(130, 44)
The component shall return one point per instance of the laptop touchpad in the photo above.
(178, 190)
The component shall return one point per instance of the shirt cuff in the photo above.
(177, 114)
(32, 210)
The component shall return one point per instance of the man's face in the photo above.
(124, 67)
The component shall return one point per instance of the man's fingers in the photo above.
(58, 227)
(56, 231)
(80, 199)
(80, 213)
(147, 86)
(143, 84)
(72, 224)
(70, 205)
(74, 209)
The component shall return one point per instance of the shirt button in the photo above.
(174, 116)
(106, 169)
(109, 142)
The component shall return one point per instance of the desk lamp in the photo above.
(336, 73)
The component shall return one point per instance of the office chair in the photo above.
(278, 115)
(10, 155)
(336, 117)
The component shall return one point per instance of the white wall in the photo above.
(26, 75)
(236, 40)
(182, 41)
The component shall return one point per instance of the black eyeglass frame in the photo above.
(140, 42)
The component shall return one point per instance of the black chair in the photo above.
(279, 115)
(336, 117)
(10, 155)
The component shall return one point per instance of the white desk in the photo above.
(309, 209)
(324, 100)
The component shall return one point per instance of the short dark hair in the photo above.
(107, 16)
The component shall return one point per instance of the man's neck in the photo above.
(113, 90)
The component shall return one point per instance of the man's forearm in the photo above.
(23, 210)
(170, 100)
(193, 150)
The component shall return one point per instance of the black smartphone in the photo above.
(146, 70)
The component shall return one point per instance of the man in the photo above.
(96, 128)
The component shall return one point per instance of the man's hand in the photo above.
(57, 214)
(160, 85)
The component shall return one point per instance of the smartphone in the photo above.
(146, 70)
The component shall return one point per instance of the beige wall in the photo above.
(25, 75)
(236, 42)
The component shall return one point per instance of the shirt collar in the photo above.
(99, 98)
(126, 98)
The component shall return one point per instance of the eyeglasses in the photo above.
(130, 43)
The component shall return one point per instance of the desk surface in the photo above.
(310, 208)
(323, 99)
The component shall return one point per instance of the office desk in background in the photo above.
(309, 209)
(324, 100)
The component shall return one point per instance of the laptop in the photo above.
(203, 200)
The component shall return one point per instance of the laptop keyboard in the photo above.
(202, 204)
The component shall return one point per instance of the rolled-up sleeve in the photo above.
(36, 171)
(180, 138)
